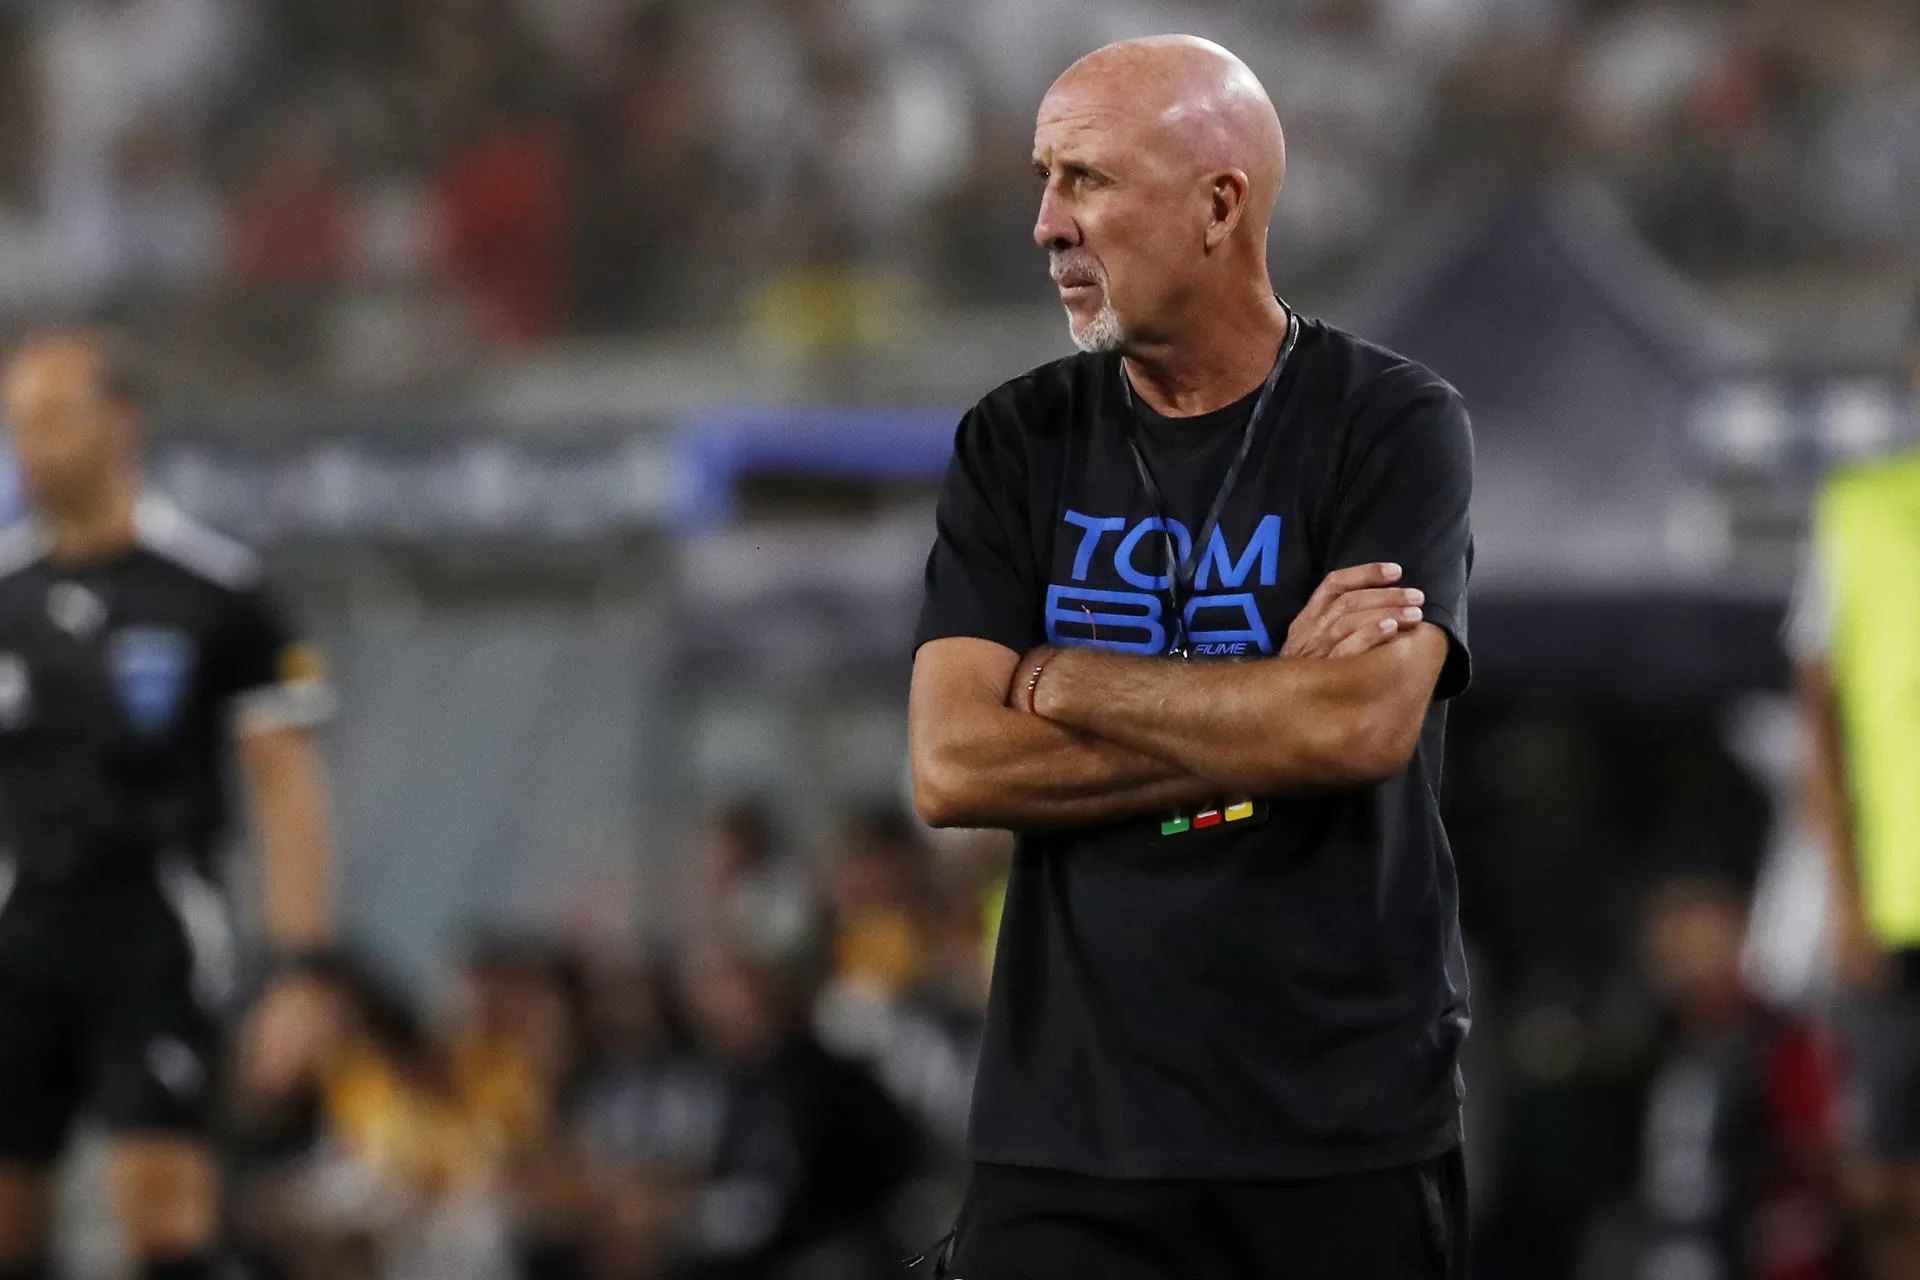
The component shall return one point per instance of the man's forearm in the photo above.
(1253, 727)
(1009, 769)
(1823, 780)
(290, 813)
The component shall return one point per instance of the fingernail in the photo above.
(1391, 570)
(1387, 624)
(1411, 615)
(1416, 596)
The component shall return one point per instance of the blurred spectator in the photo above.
(811, 1149)
(1738, 1173)
(290, 225)
(369, 1162)
(907, 994)
(736, 864)
(661, 236)
(28, 274)
(646, 1116)
(645, 1100)
(515, 1036)
(125, 86)
(502, 209)
(515, 1046)
(1566, 810)
(875, 884)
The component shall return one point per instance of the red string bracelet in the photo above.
(1033, 680)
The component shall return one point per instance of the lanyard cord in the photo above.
(1182, 570)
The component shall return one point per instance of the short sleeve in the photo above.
(272, 677)
(1405, 488)
(980, 574)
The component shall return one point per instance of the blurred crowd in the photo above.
(1644, 1102)
(777, 1094)
(381, 190)
(779, 1089)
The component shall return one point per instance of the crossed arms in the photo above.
(1111, 737)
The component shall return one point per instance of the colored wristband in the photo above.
(1033, 681)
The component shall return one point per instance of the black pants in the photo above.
(1039, 1224)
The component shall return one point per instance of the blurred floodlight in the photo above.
(1699, 532)
(1858, 418)
(1745, 426)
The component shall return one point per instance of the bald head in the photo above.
(1196, 103)
(1163, 157)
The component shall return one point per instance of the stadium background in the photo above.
(587, 367)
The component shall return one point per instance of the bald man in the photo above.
(137, 649)
(1196, 602)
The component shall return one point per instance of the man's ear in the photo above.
(1227, 202)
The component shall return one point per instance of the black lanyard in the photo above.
(1181, 570)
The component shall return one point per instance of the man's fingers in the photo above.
(1359, 577)
(1372, 630)
(1358, 602)
(1402, 616)
(1348, 601)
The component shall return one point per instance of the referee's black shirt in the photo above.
(1284, 994)
(121, 682)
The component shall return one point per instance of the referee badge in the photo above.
(150, 666)
(75, 610)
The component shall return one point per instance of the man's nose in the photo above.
(1053, 229)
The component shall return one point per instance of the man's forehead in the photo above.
(59, 368)
(1084, 122)
(57, 355)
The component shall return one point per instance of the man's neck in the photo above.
(1224, 356)
(97, 530)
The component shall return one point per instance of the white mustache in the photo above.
(1072, 270)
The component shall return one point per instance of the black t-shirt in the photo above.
(1274, 990)
(121, 685)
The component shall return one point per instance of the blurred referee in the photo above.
(135, 649)
(1196, 599)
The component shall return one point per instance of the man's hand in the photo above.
(1353, 610)
(284, 1041)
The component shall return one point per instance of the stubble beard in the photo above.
(1102, 333)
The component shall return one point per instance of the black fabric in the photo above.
(1903, 966)
(98, 1011)
(115, 716)
(36, 1270)
(1041, 1224)
(552, 1258)
(1283, 998)
(1181, 569)
(1881, 1038)
(198, 1266)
